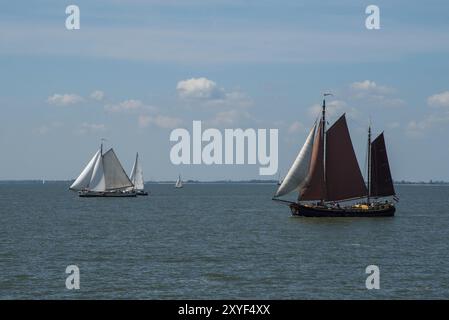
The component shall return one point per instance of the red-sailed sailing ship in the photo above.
(327, 175)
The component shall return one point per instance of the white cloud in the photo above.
(439, 99)
(206, 93)
(229, 118)
(160, 121)
(64, 99)
(368, 86)
(438, 120)
(364, 85)
(295, 127)
(97, 95)
(234, 99)
(87, 127)
(369, 92)
(418, 128)
(199, 88)
(130, 105)
(333, 108)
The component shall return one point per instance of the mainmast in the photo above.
(369, 164)
(101, 145)
(323, 134)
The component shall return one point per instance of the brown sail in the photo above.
(381, 181)
(315, 188)
(343, 177)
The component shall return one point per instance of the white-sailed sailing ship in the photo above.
(178, 183)
(326, 175)
(103, 177)
(136, 178)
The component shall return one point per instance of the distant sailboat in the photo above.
(103, 177)
(326, 173)
(136, 178)
(178, 183)
(279, 180)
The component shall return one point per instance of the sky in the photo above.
(136, 70)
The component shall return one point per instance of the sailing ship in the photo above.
(136, 178)
(326, 175)
(178, 183)
(103, 176)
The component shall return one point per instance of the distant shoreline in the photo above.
(216, 182)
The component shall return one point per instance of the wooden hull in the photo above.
(94, 194)
(319, 211)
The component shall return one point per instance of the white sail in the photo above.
(297, 175)
(83, 180)
(136, 175)
(178, 183)
(97, 182)
(115, 175)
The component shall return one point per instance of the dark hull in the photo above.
(91, 194)
(141, 193)
(313, 211)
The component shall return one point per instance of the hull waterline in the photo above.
(92, 194)
(300, 210)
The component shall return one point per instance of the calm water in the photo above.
(216, 241)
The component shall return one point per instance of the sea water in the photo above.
(216, 241)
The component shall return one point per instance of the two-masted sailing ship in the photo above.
(327, 176)
(104, 176)
(136, 178)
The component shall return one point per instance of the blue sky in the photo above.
(269, 61)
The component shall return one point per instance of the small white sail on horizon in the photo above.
(298, 173)
(136, 175)
(178, 183)
(280, 179)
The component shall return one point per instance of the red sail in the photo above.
(381, 181)
(343, 177)
(315, 188)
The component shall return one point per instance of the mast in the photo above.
(323, 134)
(324, 144)
(101, 145)
(369, 164)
